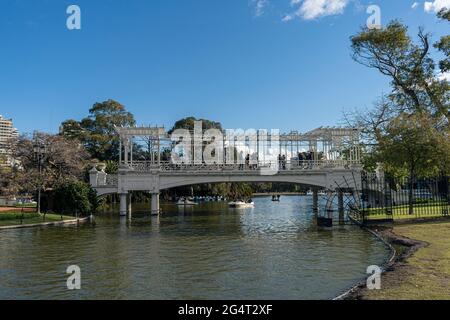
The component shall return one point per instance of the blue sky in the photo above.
(236, 61)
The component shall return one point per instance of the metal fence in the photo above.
(388, 198)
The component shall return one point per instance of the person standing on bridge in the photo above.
(241, 160)
(254, 161)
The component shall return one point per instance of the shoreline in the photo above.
(355, 290)
(402, 249)
(46, 224)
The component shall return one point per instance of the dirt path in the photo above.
(14, 209)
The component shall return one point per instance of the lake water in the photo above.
(273, 251)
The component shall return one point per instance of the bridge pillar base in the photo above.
(129, 204)
(341, 206)
(123, 204)
(324, 222)
(315, 200)
(155, 204)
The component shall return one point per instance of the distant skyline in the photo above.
(282, 64)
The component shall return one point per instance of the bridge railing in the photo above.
(111, 180)
(281, 166)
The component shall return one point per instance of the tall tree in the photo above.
(44, 161)
(408, 130)
(444, 44)
(97, 132)
(409, 65)
(412, 145)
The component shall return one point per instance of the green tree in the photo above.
(188, 123)
(444, 44)
(406, 131)
(416, 88)
(72, 129)
(111, 167)
(97, 131)
(240, 191)
(412, 146)
(75, 197)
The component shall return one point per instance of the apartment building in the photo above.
(7, 132)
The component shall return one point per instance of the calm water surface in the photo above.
(273, 251)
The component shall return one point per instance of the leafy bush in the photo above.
(75, 197)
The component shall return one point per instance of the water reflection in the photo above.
(273, 251)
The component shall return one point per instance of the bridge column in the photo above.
(315, 200)
(329, 206)
(327, 221)
(155, 203)
(93, 177)
(123, 204)
(129, 203)
(341, 206)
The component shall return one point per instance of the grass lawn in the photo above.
(14, 218)
(424, 275)
(402, 212)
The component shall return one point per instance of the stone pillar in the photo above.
(329, 206)
(93, 177)
(155, 203)
(315, 200)
(101, 180)
(341, 206)
(129, 203)
(327, 221)
(123, 204)
(126, 150)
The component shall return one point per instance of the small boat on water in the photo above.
(320, 193)
(276, 198)
(241, 204)
(185, 202)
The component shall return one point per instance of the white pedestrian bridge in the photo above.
(325, 158)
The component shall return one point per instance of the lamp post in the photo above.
(40, 150)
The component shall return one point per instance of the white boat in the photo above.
(185, 202)
(241, 204)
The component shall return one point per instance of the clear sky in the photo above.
(247, 63)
